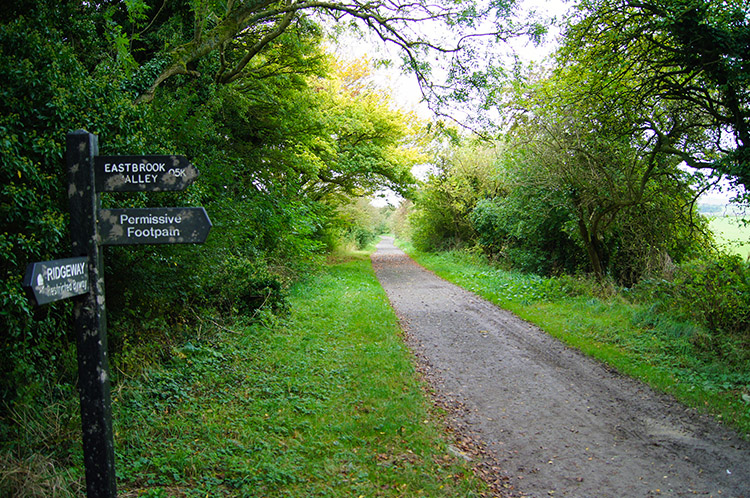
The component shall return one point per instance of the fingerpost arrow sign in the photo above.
(49, 281)
(181, 225)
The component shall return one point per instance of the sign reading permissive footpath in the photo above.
(183, 225)
(152, 173)
(50, 281)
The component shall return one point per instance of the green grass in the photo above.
(703, 371)
(732, 234)
(325, 403)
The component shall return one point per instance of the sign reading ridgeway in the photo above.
(181, 225)
(50, 281)
(143, 173)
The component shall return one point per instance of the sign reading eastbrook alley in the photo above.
(82, 276)
(143, 173)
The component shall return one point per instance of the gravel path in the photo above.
(556, 422)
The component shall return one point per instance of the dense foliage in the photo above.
(284, 146)
(523, 211)
(605, 152)
(710, 292)
(463, 175)
(602, 156)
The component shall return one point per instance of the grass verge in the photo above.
(672, 357)
(325, 403)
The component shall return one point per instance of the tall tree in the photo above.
(608, 155)
(694, 54)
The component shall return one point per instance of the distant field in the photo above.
(732, 234)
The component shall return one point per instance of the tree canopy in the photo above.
(605, 159)
(686, 55)
(230, 40)
(283, 139)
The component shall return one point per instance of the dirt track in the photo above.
(557, 422)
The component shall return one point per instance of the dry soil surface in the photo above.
(556, 422)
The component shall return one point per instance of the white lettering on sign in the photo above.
(149, 219)
(141, 178)
(49, 280)
(134, 167)
(153, 232)
(139, 173)
(132, 222)
(187, 225)
(65, 271)
(74, 286)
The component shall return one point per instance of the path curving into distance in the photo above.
(559, 423)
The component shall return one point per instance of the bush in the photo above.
(489, 223)
(441, 218)
(712, 294)
(715, 293)
(527, 232)
(243, 286)
(362, 236)
(438, 221)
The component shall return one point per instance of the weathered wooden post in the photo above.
(82, 276)
(90, 319)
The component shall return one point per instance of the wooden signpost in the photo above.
(82, 278)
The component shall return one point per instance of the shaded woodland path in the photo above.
(557, 422)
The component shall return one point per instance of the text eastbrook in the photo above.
(134, 167)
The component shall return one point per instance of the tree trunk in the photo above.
(593, 248)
